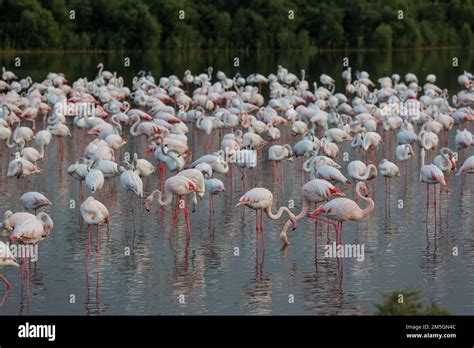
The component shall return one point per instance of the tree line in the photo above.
(234, 24)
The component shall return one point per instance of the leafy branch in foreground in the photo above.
(408, 302)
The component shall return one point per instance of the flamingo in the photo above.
(34, 200)
(78, 170)
(343, 209)
(216, 160)
(94, 178)
(196, 176)
(329, 173)
(179, 186)
(358, 170)
(430, 174)
(214, 187)
(32, 229)
(388, 170)
(314, 191)
(8, 75)
(95, 213)
(20, 167)
(142, 167)
(371, 140)
(129, 179)
(261, 199)
(279, 153)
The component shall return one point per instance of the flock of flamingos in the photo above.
(161, 112)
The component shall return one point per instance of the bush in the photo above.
(411, 305)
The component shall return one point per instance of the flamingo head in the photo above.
(94, 131)
(243, 201)
(145, 117)
(453, 164)
(149, 150)
(364, 189)
(336, 191)
(317, 212)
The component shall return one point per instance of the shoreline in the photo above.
(311, 50)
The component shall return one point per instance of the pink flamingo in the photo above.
(430, 174)
(261, 199)
(95, 213)
(179, 186)
(314, 191)
(213, 187)
(388, 170)
(343, 209)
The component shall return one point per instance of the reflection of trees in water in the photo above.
(377, 63)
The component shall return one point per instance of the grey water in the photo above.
(139, 271)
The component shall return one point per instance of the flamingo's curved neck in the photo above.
(168, 199)
(369, 201)
(133, 129)
(269, 213)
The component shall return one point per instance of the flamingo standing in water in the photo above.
(430, 174)
(314, 191)
(404, 152)
(179, 186)
(95, 213)
(261, 199)
(343, 209)
(214, 187)
(388, 170)
(78, 170)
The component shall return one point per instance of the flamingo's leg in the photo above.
(88, 240)
(261, 228)
(340, 232)
(5, 280)
(175, 216)
(186, 216)
(97, 247)
(256, 227)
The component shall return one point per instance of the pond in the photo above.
(220, 270)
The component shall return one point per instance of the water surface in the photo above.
(403, 247)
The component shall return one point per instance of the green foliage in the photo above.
(229, 24)
(382, 37)
(411, 305)
(466, 35)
